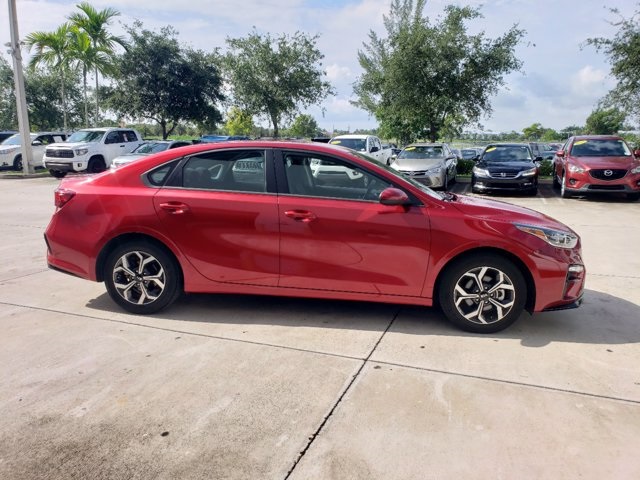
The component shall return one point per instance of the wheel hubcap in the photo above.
(484, 295)
(139, 278)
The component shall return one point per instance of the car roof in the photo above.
(597, 137)
(353, 135)
(425, 144)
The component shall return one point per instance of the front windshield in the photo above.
(13, 140)
(357, 144)
(151, 147)
(419, 152)
(600, 148)
(86, 136)
(507, 153)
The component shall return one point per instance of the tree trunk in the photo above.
(86, 103)
(97, 106)
(274, 121)
(64, 103)
(163, 125)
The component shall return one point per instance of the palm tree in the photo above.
(94, 24)
(53, 50)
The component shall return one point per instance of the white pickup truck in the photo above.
(90, 150)
(369, 144)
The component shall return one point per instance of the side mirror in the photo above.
(539, 159)
(476, 158)
(36, 143)
(394, 196)
(637, 153)
(560, 153)
(374, 149)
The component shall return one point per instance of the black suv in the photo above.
(505, 167)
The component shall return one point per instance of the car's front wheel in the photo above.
(564, 193)
(142, 277)
(57, 173)
(483, 294)
(17, 163)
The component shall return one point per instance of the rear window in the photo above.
(600, 148)
(357, 144)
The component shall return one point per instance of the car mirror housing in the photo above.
(637, 153)
(394, 196)
(374, 149)
(560, 153)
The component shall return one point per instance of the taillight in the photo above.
(62, 196)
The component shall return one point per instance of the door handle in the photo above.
(303, 216)
(175, 208)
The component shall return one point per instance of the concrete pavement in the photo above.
(249, 387)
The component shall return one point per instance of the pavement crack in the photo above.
(312, 437)
(25, 275)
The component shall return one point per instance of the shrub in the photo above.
(546, 168)
(465, 167)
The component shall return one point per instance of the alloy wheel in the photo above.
(139, 277)
(484, 295)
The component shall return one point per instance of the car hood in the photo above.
(487, 209)
(71, 145)
(129, 157)
(606, 162)
(515, 166)
(8, 148)
(417, 163)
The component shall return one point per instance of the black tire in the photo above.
(96, 165)
(129, 282)
(445, 185)
(488, 309)
(556, 183)
(633, 196)
(57, 173)
(564, 193)
(17, 163)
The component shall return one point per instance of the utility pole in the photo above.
(21, 98)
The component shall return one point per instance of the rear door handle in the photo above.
(303, 216)
(175, 208)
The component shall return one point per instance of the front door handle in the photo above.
(303, 216)
(175, 208)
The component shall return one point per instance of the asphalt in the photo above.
(244, 387)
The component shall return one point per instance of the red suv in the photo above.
(252, 218)
(597, 163)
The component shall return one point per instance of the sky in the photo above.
(560, 84)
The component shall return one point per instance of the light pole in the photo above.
(21, 98)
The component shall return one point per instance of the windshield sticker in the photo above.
(491, 149)
(335, 142)
(580, 142)
(408, 149)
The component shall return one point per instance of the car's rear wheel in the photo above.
(96, 165)
(17, 163)
(57, 173)
(483, 294)
(142, 278)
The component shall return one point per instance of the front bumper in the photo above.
(433, 181)
(59, 166)
(505, 184)
(583, 183)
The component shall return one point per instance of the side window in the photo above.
(59, 138)
(130, 136)
(234, 170)
(313, 175)
(113, 137)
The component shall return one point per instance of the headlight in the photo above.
(557, 238)
(636, 169)
(480, 172)
(575, 168)
(435, 170)
(81, 151)
(529, 173)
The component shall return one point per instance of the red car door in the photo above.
(223, 218)
(350, 244)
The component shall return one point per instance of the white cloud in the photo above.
(336, 73)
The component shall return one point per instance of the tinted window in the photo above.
(507, 153)
(159, 176)
(430, 151)
(235, 170)
(600, 148)
(320, 176)
(129, 136)
(359, 144)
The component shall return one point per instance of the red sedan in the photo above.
(255, 218)
(597, 164)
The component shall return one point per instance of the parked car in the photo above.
(221, 138)
(505, 167)
(471, 153)
(432, 164)
(369, 144)
(542, 151)
(4, 134)
(11, 148)
(192, 223)
(597, 163)
(147, 148)
(90, 150)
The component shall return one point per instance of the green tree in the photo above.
(304, 126)
(100, 51)
(422, 73)
(53, 50)
(239, 122)
(571, 130)
(46, 110)
(623, 51)
(605, 121)
(160, 80)
(534, 131)
(274, 77)
(8, 114)
(550, 135)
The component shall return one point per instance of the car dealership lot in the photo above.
(250, 387)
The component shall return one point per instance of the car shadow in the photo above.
(601, 319)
